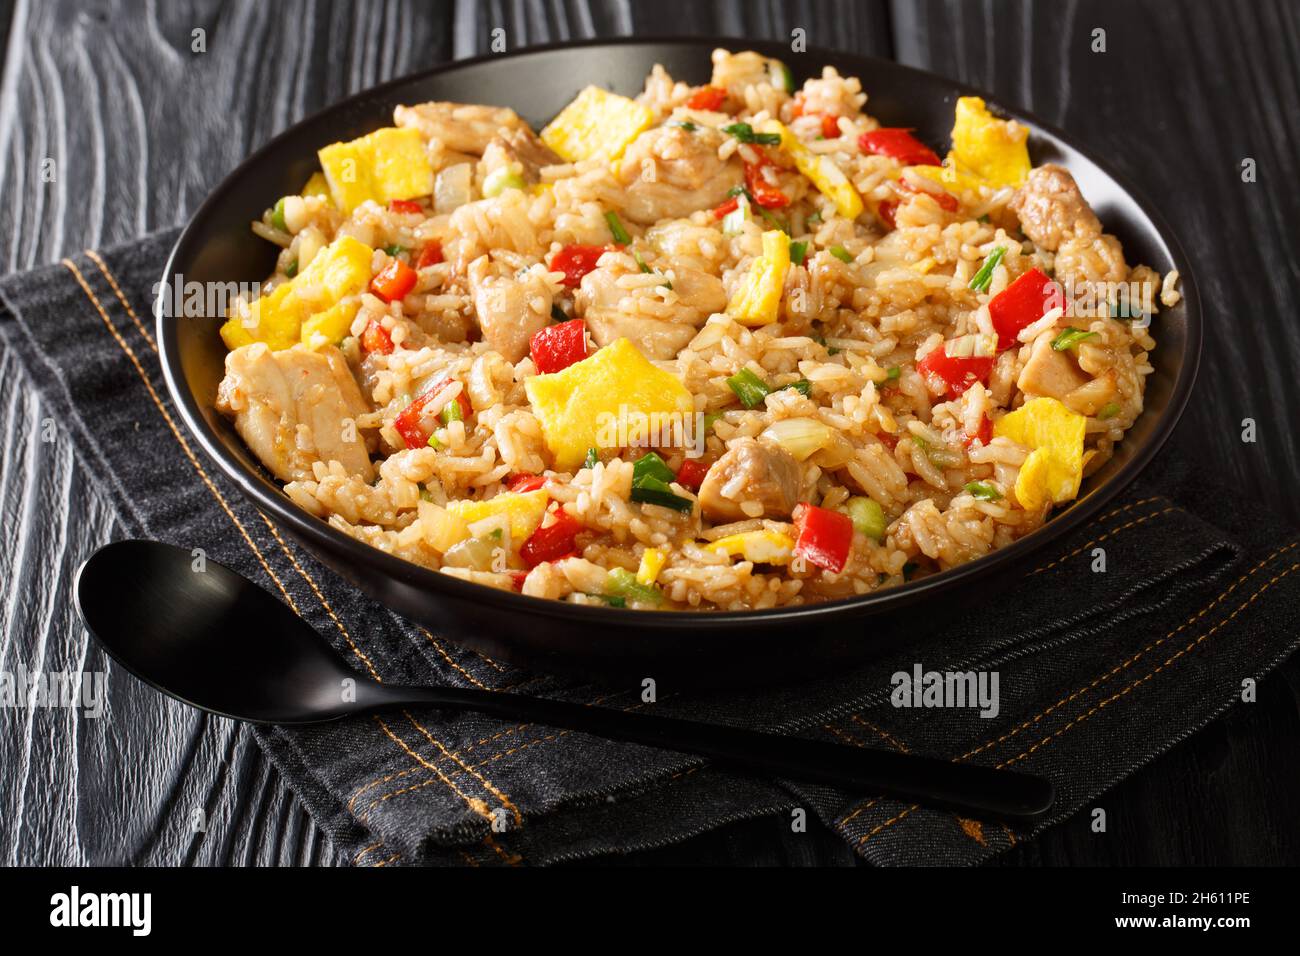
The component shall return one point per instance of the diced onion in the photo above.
(453, 188)
(801, 437)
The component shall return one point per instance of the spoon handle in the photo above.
(980, 791)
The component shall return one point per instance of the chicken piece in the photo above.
(510, 309)
(1048, 372)
(669, 173)
(612, 312)
(460, 127)
(295, 407)
(518, 148)
(750, 472)
(1052, 210)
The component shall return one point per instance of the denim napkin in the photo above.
(1098, 671)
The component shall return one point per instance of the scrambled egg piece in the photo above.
(1054, 468)
(387, 164)
(994, 150)
(825, 175)
(761, 547)
(758, 299)
(524, 511)
(652, 562)
(596, 123)
(617, 391)
(309, 307)
(316, 185)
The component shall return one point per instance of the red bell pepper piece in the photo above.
(825, 537)
(731, 205)
(551, 542)
(887, 209)
(707, 98)
(764, 193)
(983, 434)
(404, 206)
(524, 482)
(394, 281)
(375, 338)
(898, 144)
(517, 579)
(830, 126)
(945, 200)
(558, 346)
(953, 374)
(1021, 304)
(409, 421)
(691, 474)
(430, 255)
(575, 262)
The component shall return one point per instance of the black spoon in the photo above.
(217, 641)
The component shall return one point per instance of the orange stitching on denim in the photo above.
(364, 815)
(474, 803)
(130, 354)
(487, 785)
(1099, 539)
(1142, 680)
(887, 737)
(1204, 636)
(1150, 647)
(447, 657)
(510, 859)
(888, 823)
(374, 846)
(93, 256)
(377, 783)
(392, 859)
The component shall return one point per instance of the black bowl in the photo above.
(551, 635)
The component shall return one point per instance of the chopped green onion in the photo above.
(612, 601)
(982, 490)
(798, 252)
(501, 179)
(452, 413)
(394, 250)
(803, 387)
(1109, 410)
(815, 218)
(292, 269)
(277, 215)
(939, 457)
(592, 459)
(984, 278)
(868, 517)
(434, 443)
(839, 252)
(745, 133)
(622, 583)
(686, 125)
(650, 465)
(558, 314)
(640, 262)
(652, 491)
(616, 229)
(984, 218)
(1071, 337)
(709, 419)
(893, 373)
(749, 388)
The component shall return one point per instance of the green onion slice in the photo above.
(839, 252)
(1071, 337)
(798, 252)
(982, 490)
(616, 229)
(981, 281)
(749, 388)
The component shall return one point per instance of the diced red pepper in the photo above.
(898, 144)
(1021, 304)
(953, 374)
(946, 200)
(830, 126)
(524, 482)
(887, 209)
(551, 542)
(764, 193)
(404, 206)
(797, 106)
(394, 281)
(730, 206)
(575, 262)
(558, 346)
(707, 98)
(983, 434)
(691, 474)
(430, 255)
(517, 579)
(375, 338)
(409, 423)
(825, 537)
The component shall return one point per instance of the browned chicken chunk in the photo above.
(510, 309)
(612, 312)
(1052, 210)
(669, 173)
(521, 149)
(294, 407)
(752, 480)
(460, 127)
(1050, 373)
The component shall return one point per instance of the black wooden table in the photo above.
(140, 123)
